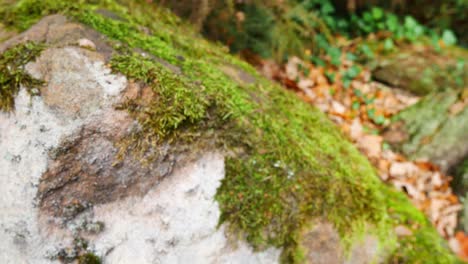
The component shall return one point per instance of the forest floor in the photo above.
(363, 108)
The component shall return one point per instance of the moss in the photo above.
(425, 244)
(89, 258)
(286, 162)
(13, 74)
(23, 14)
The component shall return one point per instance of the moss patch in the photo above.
(89, 258)
(286, 162)
(13, 75)
(425, 245)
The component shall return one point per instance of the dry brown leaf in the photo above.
(457, 107)
(305, 84)
(371, 145)
(403, 169)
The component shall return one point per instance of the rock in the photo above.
(427, 130)
(423, 72)
(434, 129)
(86, 43)
(134, 155)
(322, 245)
(77, 108)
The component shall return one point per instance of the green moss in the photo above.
(184, 103)
(286, 163)
(13, 75)
(290, 163)
(89, 258)
(22, 15)
(425, 244)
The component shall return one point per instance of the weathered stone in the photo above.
(423, 72)
(429, 131)
(321, 244)
(56, 30)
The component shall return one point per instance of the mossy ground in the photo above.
(286, 162)
(13, 75)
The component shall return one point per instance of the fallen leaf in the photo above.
(403, 169)
(457, 108)
(371, 145)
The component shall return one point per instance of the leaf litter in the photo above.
(362, 109)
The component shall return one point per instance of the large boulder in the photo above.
(126, 138)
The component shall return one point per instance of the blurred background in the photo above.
(280, 28)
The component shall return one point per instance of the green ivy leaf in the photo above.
(377, 13)
(353, 72)
(355, 105)
(350, 56)
(410, 23)
(392, 23)
(449, 38)
(379, 120)
(317, 61)
(346, 82)
(330, 76)
(335, 55)
(388, 44)
(366, 50)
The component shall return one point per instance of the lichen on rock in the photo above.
(433, 131)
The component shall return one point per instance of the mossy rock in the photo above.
(433, 129)
(423, 72)
(460, 186)
(286, 165)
